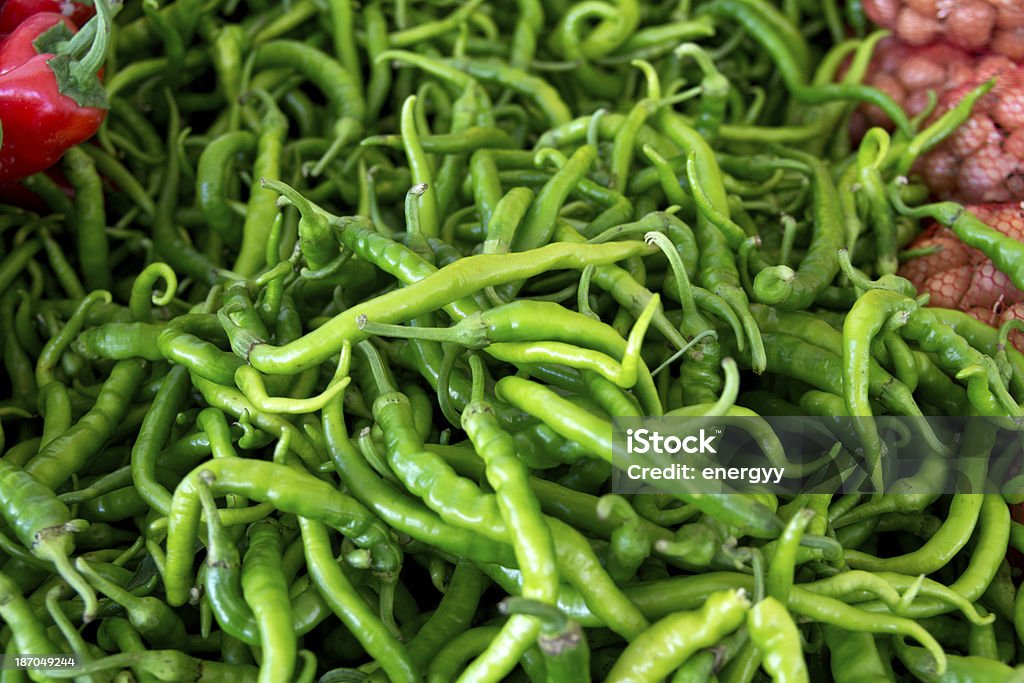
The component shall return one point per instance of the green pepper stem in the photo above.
(788, 237)
(552, 618)
(651, 78)
(856, 277)
(109, 588)
(696, 339)
(251, 384)
(730, 391)
(713, 83)
(122, 660)
(907, 599)
(470, 331)
(828, 546)
(631, 358)
(346, 130)
(733, 233)
(941, 128)
(685, 291)
(381, 376)
(90, 64)
(479, 379)
(292, 196)
(74, 579)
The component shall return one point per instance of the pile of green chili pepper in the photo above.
(311, 376)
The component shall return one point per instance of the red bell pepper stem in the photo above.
(93, 60)
(51, 101)
(77, 77)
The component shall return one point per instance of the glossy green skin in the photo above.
(453, 615)
(798, 290)
(416, 520)
(224, 590)
(985, 390)
(440, 289)
(265, 590)
(790, 53)
(775, 634)
(90, 220)
(518, 504)
(961, 669)
(1005, 252)
(38, 518)
(28, 634)
(533, 540)
(212, 182)
(855, 657)
(779, 580)
(286, 489)
(350, 607)
(595, 433)
(668, 643)
(539, 223)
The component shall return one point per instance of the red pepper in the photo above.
(50, 100)
(17, 48)
(14, 12)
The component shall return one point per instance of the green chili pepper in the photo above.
(774, 633)
(43, 524)
(668, 643)
(283, 487)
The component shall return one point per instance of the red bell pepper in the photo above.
(51, 100)
(14, 12)
(17, 48)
